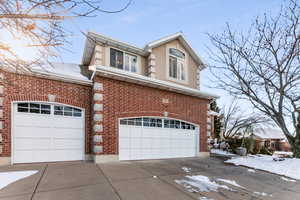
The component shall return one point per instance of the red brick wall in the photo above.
(122, 99)
(29, 88)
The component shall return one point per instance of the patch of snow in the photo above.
(201, 183)
(154, 176)
(288, 167)
(251, 170)
(221, 152)
(262, 194)
(205, 198)
(231, 182)
(186, 169)
(286, 153)
(61, 69)
(7, 178)
(287, 179)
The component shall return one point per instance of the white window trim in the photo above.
(138, 61)
(185, 66)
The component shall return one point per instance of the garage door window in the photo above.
(67, 111)
(157, 122)
(34, 108)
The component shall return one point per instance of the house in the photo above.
(271, 138)
(121, 103)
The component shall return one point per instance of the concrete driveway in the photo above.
(141, 180)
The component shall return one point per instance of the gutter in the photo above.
(122, 75)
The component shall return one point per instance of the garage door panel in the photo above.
(30, 131)
(32, 143)
(66, 144)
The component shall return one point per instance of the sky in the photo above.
(147, 20)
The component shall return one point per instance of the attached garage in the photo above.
(157, 138)
(45, 132)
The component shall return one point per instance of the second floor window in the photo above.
(124, 61)
(177, 64)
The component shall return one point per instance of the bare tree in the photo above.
(263, 67)
(37, 26)
(237, 123)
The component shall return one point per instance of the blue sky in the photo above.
(147, 20)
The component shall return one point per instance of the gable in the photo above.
(181, 43)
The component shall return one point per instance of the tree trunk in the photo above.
(296, 143)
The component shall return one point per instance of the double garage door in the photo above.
(156, 138)
(45, 132)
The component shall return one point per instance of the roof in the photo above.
(126, 76)
(93, 38)
(269, 133)
(64, 71)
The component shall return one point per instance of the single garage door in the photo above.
(155, 138)
(45, 132)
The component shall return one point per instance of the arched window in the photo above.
(177, 64)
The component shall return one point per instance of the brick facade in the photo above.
(104, 104)
(122, 99)
(29, 88)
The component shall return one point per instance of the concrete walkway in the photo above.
(141, 180)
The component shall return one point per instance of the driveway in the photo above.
(141, 180)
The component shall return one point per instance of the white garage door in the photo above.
(155, 138)
(45, 132)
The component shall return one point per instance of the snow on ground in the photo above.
(288, 167)
(7, 178)
(231, 182)
(251, 170)
(287, 179)
(221, 152)
(262, 194)
(201, 183)
(205, 198)
(186, 169)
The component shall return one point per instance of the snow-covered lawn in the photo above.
(221, 152)
(7, 178)
(289, 167)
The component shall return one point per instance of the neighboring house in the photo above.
(271, 138)
(121, 103)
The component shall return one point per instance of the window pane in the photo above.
(173, 67)
(20, 109)
(127, 59)
(159, 123)
(77, 114)
(45, 112)
(58, 110)
(67, 113)
(130, 122)
(138, 121)
(35, 106)
(146, 122)
(177, 53)
(177, 124)
(24, 105)
(68, 109)
(167, 123)
(182, 71)
(32, 110)
(133, 61)
(76, 110)
(123, 122)
(116, 58)
(172, 124)
(45, 107)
